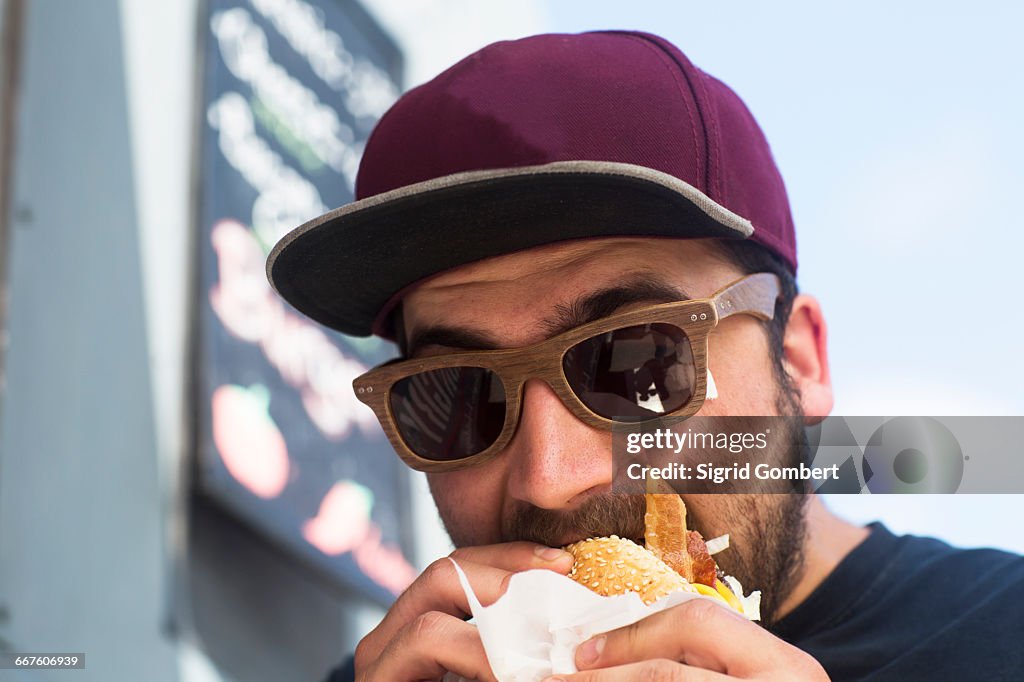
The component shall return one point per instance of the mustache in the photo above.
(599, 516)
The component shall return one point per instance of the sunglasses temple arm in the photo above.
(753, 295)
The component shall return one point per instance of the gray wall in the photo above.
(102, 549)
(80, 535)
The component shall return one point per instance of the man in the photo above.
(558, 181)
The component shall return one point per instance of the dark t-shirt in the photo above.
(907, 608)
(910, 608)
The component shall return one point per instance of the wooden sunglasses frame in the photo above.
(751, 295)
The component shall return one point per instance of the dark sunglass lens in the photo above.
(639, 372)
(451, 413)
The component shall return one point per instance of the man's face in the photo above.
(552, 484)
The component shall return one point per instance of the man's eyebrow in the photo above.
(449, 337)
(604, 302)
(586, 308)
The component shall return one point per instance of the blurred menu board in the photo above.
(291, 91)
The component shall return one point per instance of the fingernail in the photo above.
(550, 553)
(553, 679)
(591, 650)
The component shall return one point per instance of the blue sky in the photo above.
(897, 134)
(897, 129)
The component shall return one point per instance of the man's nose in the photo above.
(554, 457)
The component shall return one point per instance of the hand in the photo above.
(423, 635)
(696, 640)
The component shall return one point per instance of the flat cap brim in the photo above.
(348, 268)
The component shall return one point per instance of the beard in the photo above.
(767, 530)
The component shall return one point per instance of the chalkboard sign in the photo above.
(291, 91)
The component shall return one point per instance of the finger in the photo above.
(516, 556)
(698, 632)
(438, 589)
(661, 669)
(488, 569)
(434, 643)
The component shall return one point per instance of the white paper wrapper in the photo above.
(533, 630)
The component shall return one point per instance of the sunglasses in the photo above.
(453, 411)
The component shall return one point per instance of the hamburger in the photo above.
(672, 559)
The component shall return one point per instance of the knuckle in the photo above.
(503, 587)
(364, 653)
(360, 654)
(807, 667)
(438, 570)
(460, 554)
(427, 625)
(366, 659)
(699, 611)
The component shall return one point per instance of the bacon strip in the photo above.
(667, 537)
(704, 569)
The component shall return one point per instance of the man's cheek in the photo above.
(469, 509)
(745, 386)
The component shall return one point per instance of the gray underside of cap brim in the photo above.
(343, 267)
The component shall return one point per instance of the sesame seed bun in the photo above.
(614, 565)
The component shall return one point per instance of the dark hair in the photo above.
(750, 257)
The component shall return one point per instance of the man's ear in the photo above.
(805, 357)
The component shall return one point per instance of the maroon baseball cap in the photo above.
(530, 142)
